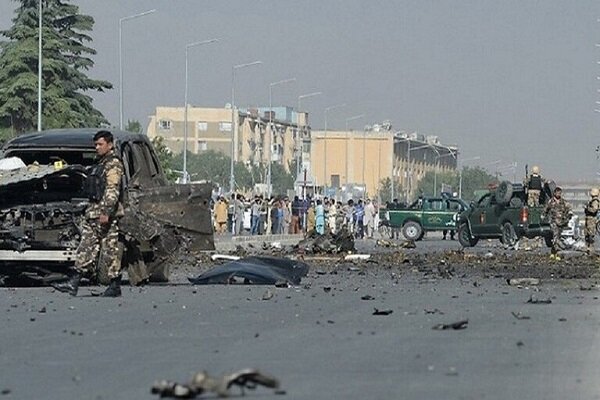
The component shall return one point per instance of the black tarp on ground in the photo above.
(255, 270)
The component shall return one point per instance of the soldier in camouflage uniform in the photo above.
(591, 213)
(558, 212)
(534, 185)
(99, 231)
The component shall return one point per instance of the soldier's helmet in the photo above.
(595, 192)
(535, 169)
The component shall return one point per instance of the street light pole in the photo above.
(185, 106)
(300, 138)
(121, 20)
(325, 144)
(347, 140)
(450, 153)
(39, 109)
(271, 136)
(460, 176)
(233, 121)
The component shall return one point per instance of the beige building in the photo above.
(214, 128)
(346, 158)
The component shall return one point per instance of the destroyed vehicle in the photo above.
(42, 203)
(503, 214)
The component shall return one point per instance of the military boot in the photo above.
(70, 286)
(114, 289)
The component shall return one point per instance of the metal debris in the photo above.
(523, 281)
(533, 300)
(377, 311)
(202, 383)
(520, 316)
(455, 325)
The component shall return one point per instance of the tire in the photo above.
(464, 236)
(504, 192)
(412, 230)
(509, 236)
(548, 240)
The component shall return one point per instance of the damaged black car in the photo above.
(44, 191)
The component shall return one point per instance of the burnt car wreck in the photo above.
(42, 202)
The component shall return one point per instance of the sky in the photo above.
(508, 80)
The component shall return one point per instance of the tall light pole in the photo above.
(408, 168)
(185, 105)
(325, 144)
(451, 153)
(121, 20)
(460, 176)
(39, 110)
(348, 120)
(300, 139)
(271, 136)
(233, 122)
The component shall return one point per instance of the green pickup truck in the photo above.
(425, 215)
(503, 214)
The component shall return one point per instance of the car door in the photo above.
(434, 214)
(478, 217)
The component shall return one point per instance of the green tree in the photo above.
(65, 57)
(281, 179)
(165, 156)
(385, 190)
(134, 126)
(473, 178)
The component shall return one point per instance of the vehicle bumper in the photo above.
(38, 255)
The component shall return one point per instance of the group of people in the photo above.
(279, 215)
(558, 211)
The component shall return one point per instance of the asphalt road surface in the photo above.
(319, 339)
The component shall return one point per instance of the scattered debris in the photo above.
(520, 316)
(342, 241)
(382, 312)
(268, 295)
(216, 257)
(533, 300)
(455, 325)
(354, 257)
(255, 270)
(327, 289)
(523, 281)
(203, 383)
(434, 311)
(367, 297)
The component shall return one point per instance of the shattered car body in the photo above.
(255, 270)
(41, 206)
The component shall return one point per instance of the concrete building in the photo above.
(347, 158)
(215, 128)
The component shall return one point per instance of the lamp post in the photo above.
(233, 122)
(271, 136)
(39, 109)
(121, 20)
(451, 153)
(299, 155)
(185, 106)
(408, 169)
(325, 144)
(460, 174)
(354, 118)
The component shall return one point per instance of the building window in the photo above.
(225, 126)
(164, 124)
(202, 145)
(202, 126)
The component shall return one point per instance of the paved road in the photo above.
(321, 344)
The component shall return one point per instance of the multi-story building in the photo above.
(354, 158)
(254, 143)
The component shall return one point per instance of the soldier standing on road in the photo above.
(534, 185)
(591, 213)
(558, 212)
(99, 230)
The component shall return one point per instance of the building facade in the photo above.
(253, 135)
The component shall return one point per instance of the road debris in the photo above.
(377, 311)
(523, 281)
(533, 300)
(367, 297)
(520, 316)
(455, 325)
(355, 257)
(202, 383)
(216, 257)
(268, 295)
(342, 241)
(255, 270)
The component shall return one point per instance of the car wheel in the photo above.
(504, 192)
(412, 230)
(509, 236)
(464, 236)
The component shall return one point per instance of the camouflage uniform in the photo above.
(534, 184)
(591, 212)
(95, 237)
(557, 211)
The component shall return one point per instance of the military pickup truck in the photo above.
(425, 215)
(503, 214)
(42, 201)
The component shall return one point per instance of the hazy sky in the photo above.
(510, 80)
